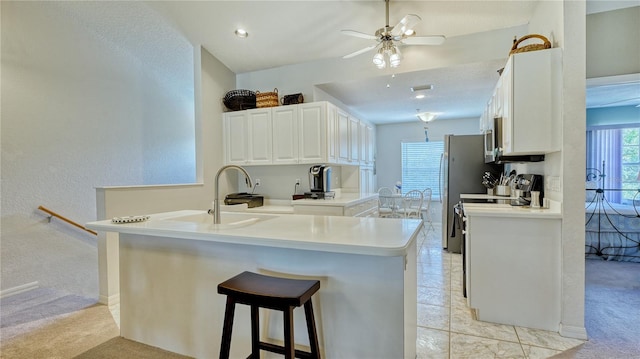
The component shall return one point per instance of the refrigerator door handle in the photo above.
(440, 179)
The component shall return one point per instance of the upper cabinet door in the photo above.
(312, 132)
(532, 96)
(354, 140)
(344, 147)
(285, 135)
(332, 133)
(235, 139)
(260, 142)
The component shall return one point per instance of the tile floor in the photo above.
(446, 328)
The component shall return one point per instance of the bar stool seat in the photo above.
(261, 291)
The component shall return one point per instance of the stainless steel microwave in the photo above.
(493, 140)
(493, 147)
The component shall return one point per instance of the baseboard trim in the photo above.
(110, 300)
(573, 332)
(19, 289)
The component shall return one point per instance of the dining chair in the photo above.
(426, 206)
(412, 204)
(386, 203)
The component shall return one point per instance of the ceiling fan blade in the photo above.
(359, 34)
(406, 24)
(362, 51)
(424, 40)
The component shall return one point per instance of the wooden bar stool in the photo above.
(261, 291)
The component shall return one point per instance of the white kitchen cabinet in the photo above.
(364, 208)
(308, 133)
(530, 107)
(235, 139)
(354, 140)
(513, 274)
(367, 180)
(369, 139)
(285, 135)
(313, 145)
(247, 136)
(362, 131)
(342, 130)
(367, 144)
(348, 138)
(332, 134)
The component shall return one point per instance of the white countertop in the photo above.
(506, 210)
(280, 206)
(353, 235)
(343, 199)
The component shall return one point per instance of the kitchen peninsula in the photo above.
(171, 264)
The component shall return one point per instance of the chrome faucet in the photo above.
(216, 202)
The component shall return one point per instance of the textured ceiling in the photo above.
(281, 33)
(288, 32)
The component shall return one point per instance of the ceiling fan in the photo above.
(390, 37)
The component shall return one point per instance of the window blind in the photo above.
(421, 166)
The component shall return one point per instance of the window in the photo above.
(421, 166)
(630, 163)
(616, 152)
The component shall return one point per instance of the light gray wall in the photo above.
(83, 106)
(613, 43)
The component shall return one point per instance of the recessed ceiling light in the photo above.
(420, 88)
(241, 33)
(419, 96)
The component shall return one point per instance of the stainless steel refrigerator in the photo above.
(461, 168)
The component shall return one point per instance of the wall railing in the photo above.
(54, 214)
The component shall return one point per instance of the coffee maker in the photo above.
(528, 183)
(319, 182)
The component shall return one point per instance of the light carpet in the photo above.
(45, 323)
(612, 311)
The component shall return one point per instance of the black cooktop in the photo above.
(507, 200)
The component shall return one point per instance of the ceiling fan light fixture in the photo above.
(378, 59)
(394, 60)
(388, 53)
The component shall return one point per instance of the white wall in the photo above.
(79, 110)
(212, 81)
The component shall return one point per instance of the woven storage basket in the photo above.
(546, 44)
(267, 99)
(237, 100)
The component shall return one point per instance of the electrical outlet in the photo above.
(298, 181)
(257, 181)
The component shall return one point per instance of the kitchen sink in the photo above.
(228, 220)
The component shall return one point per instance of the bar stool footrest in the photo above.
(280, 350)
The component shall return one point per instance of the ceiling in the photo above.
(283, 33)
